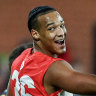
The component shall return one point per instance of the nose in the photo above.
(61, 32)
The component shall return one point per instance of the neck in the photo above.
(37, 48)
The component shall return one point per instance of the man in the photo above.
(38, 71)
(15, 53)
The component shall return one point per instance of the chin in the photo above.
(61, 52)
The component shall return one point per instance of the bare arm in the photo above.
(9, 92)
(63, 76)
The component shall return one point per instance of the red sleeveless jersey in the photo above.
(27, 73)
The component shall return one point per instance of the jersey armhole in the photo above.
(44, 72)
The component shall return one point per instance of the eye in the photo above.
(62, 25)
(51, 28)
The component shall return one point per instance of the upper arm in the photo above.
(61, 75)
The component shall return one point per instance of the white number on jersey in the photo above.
(24, 80)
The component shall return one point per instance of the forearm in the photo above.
(85, 83)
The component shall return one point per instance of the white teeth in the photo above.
(60, 41)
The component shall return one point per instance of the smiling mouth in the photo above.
(59, 42)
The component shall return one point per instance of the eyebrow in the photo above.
(50, 24)
(53, 23)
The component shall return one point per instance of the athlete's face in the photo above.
(52, 32)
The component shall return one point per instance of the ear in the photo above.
(35, 34)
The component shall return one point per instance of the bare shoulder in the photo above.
(59, 74)
(61, 64)
(60, 68)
